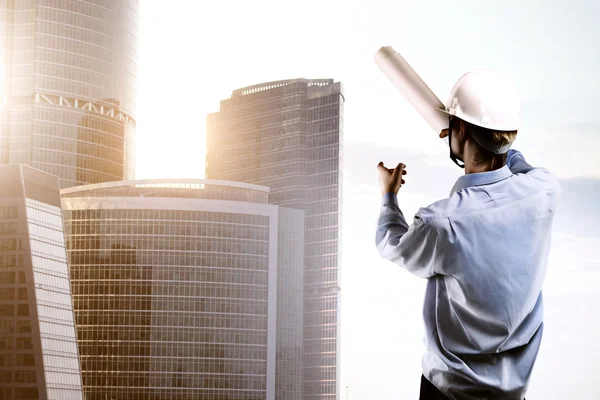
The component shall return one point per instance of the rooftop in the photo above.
(275, 84)
(173, 188)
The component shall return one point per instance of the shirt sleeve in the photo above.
(412, 247)
(517, 165)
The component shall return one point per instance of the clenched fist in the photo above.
(391, 180)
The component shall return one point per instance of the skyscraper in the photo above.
(68, 87)
(288, 136)
(177, 294)
(38, 348)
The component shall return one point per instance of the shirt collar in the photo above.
(481, 178)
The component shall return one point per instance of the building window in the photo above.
(7, 293)
(23, 310)
(25, 377)
(6, 360)
(7, 310)
(6, 343)
(5, 377)
(8, 212)
(23, 327)
(6, 326)
(25, 360)
(8, 228)
(7, 278)
(24, 343)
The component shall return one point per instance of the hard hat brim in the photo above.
(476, 123)
(443, 109)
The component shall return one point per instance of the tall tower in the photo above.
(288, 136)
(38, 347)
(177, 292)
(68, 87)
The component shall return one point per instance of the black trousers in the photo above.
(430, 392)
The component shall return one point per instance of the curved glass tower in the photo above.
(68, 87)
(176, 291)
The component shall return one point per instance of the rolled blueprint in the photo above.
(410, 84)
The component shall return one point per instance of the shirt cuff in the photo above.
(390, 199)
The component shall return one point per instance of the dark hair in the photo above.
(499, 138)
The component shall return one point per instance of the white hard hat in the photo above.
(486, 98)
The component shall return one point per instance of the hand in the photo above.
(391, 180)
(443, 133)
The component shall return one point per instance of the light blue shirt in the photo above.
(484, 251)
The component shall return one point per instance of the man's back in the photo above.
(484, 250)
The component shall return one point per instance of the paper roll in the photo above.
(410, 84)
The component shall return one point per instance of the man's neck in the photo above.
(472, 168)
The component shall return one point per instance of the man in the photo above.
(483, 250)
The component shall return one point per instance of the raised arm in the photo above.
(412, 247)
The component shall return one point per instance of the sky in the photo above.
(195, 53)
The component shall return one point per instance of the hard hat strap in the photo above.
(453, 157)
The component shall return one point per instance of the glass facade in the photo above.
(69, 84)
(288, 136)
(38, 348)
(290, 297)
(173, 289)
